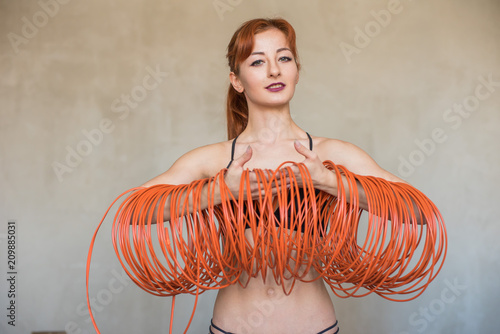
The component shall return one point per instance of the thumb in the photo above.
(302, 149)
(244, 158)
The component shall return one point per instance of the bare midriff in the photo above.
(262, 306)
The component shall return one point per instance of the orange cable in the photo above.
(206, 248)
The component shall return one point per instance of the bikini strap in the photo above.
(218, 328)
(310, 141)
(232, 151)
(331, 327)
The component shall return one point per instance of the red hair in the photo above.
(238, 49)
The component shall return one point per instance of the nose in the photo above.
(274, 69)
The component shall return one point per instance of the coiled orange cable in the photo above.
(206, 248)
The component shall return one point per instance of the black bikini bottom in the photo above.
(225, 332)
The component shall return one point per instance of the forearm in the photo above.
(174, 201)
(354, 191)
(197, 200)
(331, 185)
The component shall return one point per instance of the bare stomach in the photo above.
(264, 308)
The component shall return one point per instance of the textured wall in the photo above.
(99, 96)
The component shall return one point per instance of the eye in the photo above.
(285, 59)
(257, 63)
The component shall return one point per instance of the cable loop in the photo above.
(293, 232)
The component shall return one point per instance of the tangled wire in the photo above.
(294, 231)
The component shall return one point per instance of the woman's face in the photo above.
(269, 75)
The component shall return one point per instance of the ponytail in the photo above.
(237, 113)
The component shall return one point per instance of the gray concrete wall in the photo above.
(76, 76)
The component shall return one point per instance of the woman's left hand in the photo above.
(323, 178)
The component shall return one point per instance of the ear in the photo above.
(297, 78)
(235, 81)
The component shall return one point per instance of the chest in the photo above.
(268, 156)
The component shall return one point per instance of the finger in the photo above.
(244, 158)
(264, 193)
(308, 154)
(252, 177)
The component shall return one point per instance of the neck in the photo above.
(269, 125)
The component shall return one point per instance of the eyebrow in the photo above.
(277, 51)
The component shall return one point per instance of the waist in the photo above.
(260, 306)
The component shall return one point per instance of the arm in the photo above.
(355, 160)
(195, 165)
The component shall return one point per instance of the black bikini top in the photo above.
(301, 192)
(234, 144)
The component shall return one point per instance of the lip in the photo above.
(278, 86)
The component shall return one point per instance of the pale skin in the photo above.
(270, 138)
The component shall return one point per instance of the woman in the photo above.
(264, 68)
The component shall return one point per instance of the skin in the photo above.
(270, 138)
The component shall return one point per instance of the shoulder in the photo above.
(343, 153)
(201, 162)
(205, 159)
(351, 157)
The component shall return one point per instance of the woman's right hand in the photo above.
(232, 178)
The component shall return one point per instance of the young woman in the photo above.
(264, 71)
